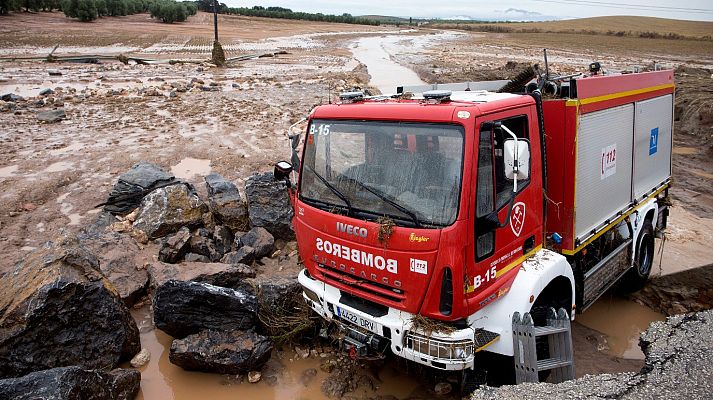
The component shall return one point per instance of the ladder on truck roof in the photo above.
(557, 332)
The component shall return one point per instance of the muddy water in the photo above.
(385, 73)
(282, 378)
(190, 167)
(622, 321)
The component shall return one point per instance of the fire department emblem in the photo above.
(517, 219)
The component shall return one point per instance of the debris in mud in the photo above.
(282, 312)
(185, 308)
(69, 383)
(225, 352)
(386, 228)
(254, 376)
(349, 375)
(430, 325)
(57, 306)
(141, 358)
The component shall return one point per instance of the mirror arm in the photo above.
(517, 161)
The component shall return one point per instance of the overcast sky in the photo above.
(498, 9)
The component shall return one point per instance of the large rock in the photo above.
(119, 261)
(51, 116)
(73, 383)
(133, 185)
(167, 209)
(269, 205)
(224, 352)
(184, 308)
(243, 255)
(262, 242)
(175, 247)
(57, 309)
(218, 274)
(225, 202)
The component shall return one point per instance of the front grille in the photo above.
(439, 349)
(344, 280)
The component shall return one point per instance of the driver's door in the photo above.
(500, 245)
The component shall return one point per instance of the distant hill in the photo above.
(611, 25)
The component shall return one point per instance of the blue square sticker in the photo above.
(654, 141)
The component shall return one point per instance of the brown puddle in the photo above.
(622, 321)
(282, 376)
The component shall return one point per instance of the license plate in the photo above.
(359, 321)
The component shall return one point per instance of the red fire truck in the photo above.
(425, 222)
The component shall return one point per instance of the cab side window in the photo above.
(494, 189)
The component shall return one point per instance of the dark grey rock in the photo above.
(57, 309)
(185, 308)
(167, 209)
(51, 116)
(202, 243)
(12, 97)
(224, 352)
(223, 238)
(225, 202)
(133, 185)
(218, 274)
(260, 240)
(193, 257)
(119, 260)
(279, 293)
(73, 383)
(244, 255)
(46, 92)
(175, 247)
(269, 205)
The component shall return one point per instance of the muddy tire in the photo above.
(636, 277)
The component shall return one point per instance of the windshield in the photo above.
(410, 172)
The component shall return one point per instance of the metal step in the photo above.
(549, 330)
(484, 338)
(558, 334)
(551, 363)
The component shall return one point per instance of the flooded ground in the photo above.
(54, 174)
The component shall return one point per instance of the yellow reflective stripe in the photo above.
(612, 96)
(613, 223)
(517, 262)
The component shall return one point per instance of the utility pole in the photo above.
(218, 56)
(215, 18)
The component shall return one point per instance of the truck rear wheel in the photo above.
(636, 277)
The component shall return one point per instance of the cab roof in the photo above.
(418, 109)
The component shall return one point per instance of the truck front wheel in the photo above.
(636, 277)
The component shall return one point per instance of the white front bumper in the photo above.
(405, 341)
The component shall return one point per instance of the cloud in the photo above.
(522, 12)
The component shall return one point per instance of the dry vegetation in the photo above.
(644, 27)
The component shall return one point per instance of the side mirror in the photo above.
(517, 162)
(283, 169)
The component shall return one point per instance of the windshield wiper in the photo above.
(386, 198)
(332, 188)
